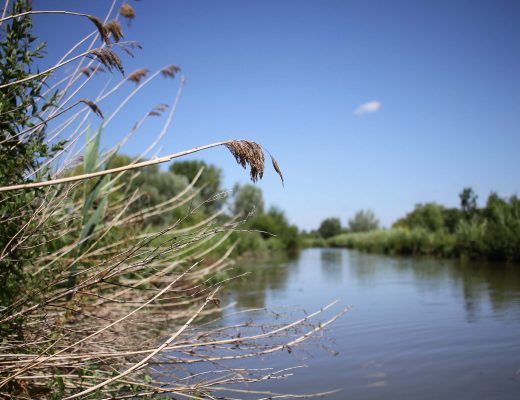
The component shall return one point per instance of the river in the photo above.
(419, 328)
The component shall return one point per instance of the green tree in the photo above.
(427, 216)
(209, 181)
(363, 221)
(22, 127)
(502, 227)
(274, 222)
(330, 227)
(468, 201)
(452, 218)
(22, 140)
(246, 199)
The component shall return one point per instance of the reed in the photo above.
(99, 306)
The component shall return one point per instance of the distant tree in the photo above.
(157, 186)
(452, 217)
(501, 238)
(246, 199)
(330, 227)
(427, 216)
(468, 201)
(209, 181)
(274, 222)
(363, 221)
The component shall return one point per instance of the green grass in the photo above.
(398, 241)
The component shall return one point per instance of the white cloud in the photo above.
(370, 107)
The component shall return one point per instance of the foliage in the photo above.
(329, 227)
(397, 241)
(492, 232)
(210, 181)
(468, 201)
(99, 267)
(502, 227)
(247, 199)
(22, 128)
(275, 227)
(427, 216)
(22, 140)
(363, 221)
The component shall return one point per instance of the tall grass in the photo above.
(398, 241)
(100, 307)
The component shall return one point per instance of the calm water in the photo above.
(418, 329)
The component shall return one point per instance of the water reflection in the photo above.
(250, 291)
(331, 265)
(415, 322)
(477, 283)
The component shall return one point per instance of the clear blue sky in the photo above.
(441, 79)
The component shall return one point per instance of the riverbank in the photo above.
(475, 242)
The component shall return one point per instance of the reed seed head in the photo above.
(248, 153)
(103, 32)
(158, 110)
(88, 71)
(127, 11)
(170, 71)
(108, 59)
(114, 27)
(276, 168)
(137, 75)
(129, 46)
(93, 106)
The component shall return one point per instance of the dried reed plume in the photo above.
(93, 106)
(137, 75)
(158, 110)
(244, 151)
(248, 153)
(170, 71)
(88, 71)
(127, 11)
(276, 167)
(103, 32)
(108, 58)
(129, 46)
(114, 27)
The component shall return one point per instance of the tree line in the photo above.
(266, 229)
(491, 231)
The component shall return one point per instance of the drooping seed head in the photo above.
(114, 27)
(103, 32)
(93, 106)
(158, 110)
(88, 71)
(127, 11)
(137, 75)
(170, 71)
(276, 168)
(248, 153)
(108, 59)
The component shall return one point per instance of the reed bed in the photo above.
(94, 304)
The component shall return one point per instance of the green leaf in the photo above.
(92, 150)
(94, 219)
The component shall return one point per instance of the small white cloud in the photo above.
(370, 107)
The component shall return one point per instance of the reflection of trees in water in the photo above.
(331, 265)
(250, 291)
(499, 282)
(478, 281)
(364, 267)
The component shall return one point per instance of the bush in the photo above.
(329, 227)
(363, 221)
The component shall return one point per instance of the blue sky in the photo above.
(439, 81)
